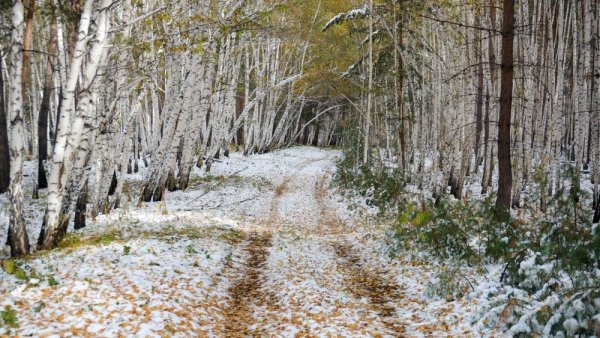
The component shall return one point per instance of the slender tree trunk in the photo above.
(595, 106)
(17, 232)
(45, 106)
(504, 128)
(479, 97)
(487, 158)
(4, 147)
(369, 89)
(27, 45)
(81, 207)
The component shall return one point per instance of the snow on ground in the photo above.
(260, 244)
(161, 285)
(311, 289)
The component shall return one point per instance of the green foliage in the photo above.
(551, 259)
(565, 243)
(9, 266)
(126, 250)
(39, 306)
(13, 268)
(382, 187)
(20, 274)
(74, 241)
(454, 229)
(556, 262)
(9, 317)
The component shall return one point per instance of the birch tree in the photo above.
(4, 149)
(70, 132)
(17, 232)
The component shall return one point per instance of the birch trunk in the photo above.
(17, 232)
(595, 107)
(367, 122)
(71, 132)
(4, 147)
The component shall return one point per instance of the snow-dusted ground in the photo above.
(264, 230)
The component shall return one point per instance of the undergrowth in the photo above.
(549, 256)
(380, 186)
(550, 281)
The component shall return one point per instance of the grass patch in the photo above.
(74, 241)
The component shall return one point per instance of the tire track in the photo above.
(248, 292)
(361, 283)
(332, 225)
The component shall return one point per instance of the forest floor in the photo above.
(260, 246)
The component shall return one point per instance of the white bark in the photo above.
(70, 132)
(17, 232)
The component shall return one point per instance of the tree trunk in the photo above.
(369, 89)
(17, 232)
(45, 107)
(487, 157)
(71, 132)
(595, 107)
(4, 149)
(479, 96)
(81, 207)
(27, 45)
(504, 146)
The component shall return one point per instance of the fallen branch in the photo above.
(213, 187)
(234, 203)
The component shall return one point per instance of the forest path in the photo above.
(260, 247)
(246, 291)
(380, 291)
(321, 283)
(360, 282)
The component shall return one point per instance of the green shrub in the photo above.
(13, 268)
(455, 229)
(556, 263)
(52, 281)
(565, 242)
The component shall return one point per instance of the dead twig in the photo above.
(234, 203)
(213, 187)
